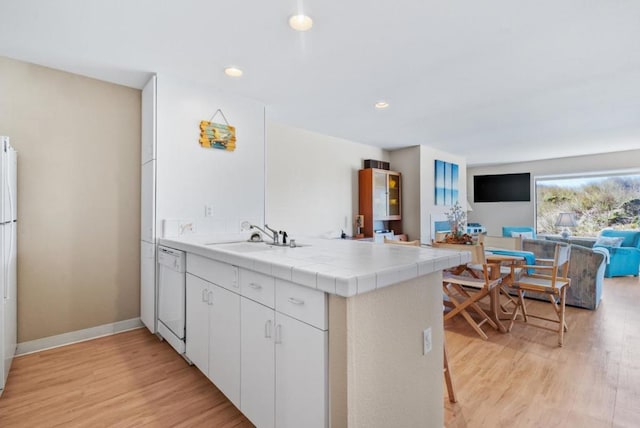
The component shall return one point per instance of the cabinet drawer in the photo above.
(302, 303)
(258, 287)
(221, 274)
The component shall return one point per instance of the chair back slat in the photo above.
(415, 243)
(501, 242)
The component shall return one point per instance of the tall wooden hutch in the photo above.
(380, 200)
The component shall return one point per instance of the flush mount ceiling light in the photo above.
(300, 22)
(381, 105)
(233, 72)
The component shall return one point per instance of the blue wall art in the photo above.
(446, 179)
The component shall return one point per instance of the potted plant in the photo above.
(458, 221)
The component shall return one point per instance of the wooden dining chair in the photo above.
(465, 290)
(551, 280)
(448, 377)
(509, 272)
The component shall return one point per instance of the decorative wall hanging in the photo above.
(217, 135)
(446, 183)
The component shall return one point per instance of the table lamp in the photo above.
(566, 220)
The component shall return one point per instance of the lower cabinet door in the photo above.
(257, 363)
(224, 342)
(301, 374)
(148, 285)
(197, 322)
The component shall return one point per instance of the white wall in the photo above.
(428, 208)
(494, 215)
(312, 180)
(417, 165)
(190, 177)
(407, 162)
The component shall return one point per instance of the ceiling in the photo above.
(494, 81)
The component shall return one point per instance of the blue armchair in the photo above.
(623, 259)
(508, 230)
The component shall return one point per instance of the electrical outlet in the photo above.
(208, 211)
(426, 341)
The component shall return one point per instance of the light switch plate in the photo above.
(426, 341)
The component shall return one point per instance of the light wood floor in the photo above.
(126, 380)
(522, 379)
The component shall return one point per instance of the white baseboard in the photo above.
(77, 336)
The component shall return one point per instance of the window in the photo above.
(597, 202)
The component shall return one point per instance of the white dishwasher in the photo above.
(171, 296)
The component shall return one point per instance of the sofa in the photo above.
(586, 270)
(624, 254)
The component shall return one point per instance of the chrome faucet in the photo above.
(273, 235)
(274, 232)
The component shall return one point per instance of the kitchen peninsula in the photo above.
(326, 334)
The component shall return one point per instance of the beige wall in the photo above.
(312, 180)
(78, 143)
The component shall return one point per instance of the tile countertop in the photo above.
(336, 266)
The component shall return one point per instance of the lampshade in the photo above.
(469, 209)
(566, 220)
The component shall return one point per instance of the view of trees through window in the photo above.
(597, 202)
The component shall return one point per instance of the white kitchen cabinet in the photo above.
(213, 334)
(197, 323)
(257, 384)
(148, 207)
(283, 359)
(224, 342)
(301, 374)
(148, 285)
(147, 202)
(148, 124)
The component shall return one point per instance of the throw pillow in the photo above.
(523, 235)
(606, 241)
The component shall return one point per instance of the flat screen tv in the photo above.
(502, 188)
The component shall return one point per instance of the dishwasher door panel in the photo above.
(171, 299)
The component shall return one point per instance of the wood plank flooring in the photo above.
(522, 379)
(126, 380)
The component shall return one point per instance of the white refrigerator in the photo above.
(8, 274)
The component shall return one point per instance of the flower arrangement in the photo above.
(458, 221)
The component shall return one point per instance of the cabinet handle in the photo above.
(235, 277)
(255, 286)
(267, 329)
(205, 295)
(296, 301)
(210, 298)
(278, 334)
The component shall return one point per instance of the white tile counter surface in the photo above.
(336, 266)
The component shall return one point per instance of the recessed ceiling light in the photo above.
(382, 105)
(300, 22)
(233, 72)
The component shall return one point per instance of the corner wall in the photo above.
(312, 181)
(417, 165)
(494, 215)
(78, 143)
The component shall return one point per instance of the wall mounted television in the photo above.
(502, 188)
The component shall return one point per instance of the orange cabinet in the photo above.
(380, 200)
